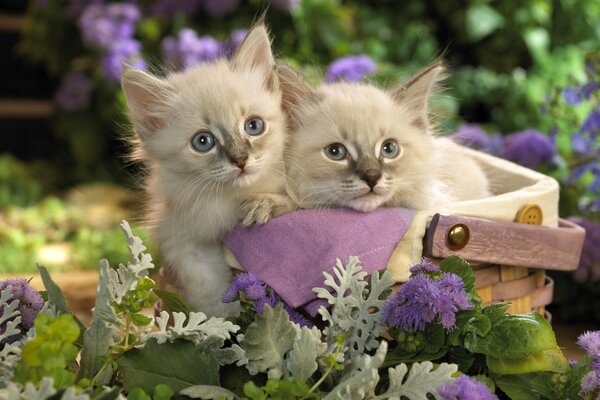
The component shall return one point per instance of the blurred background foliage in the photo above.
(523, 85)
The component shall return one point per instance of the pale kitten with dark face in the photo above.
(358, 146)
(212, 139)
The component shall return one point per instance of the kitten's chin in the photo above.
(367, 202)
(244, 180)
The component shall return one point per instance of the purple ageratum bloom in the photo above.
(576, 94)
(104, 24)
(74, 92)
(465, 388)
(124, 51)
(591, 124)
(350, 69)
(590, 384)
(219, 8)
(30, 303)
(476, 138)
(170, 8)
(420, 300)
(250, 287)
(236, 38)
(529, 148)
(424, 267)
(189, 49)
(589, 264)
(285, 5)
(590, 342)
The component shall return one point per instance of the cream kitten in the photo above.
(212, 139)
(358, 146)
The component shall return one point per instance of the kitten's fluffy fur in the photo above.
(196, 197)
(427, 170)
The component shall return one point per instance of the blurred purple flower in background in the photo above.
(591, 125)
(589, 264)
(528, 148)
(30, 303)
(350, 69)
(425, 296)
(465, 388)
(219, 8)
(576, 94)
(248, 286)
(104, 24)
(590, 342)
(473, 136)
(188, 49)
(124, 51)
(74, 92)
(285, 5)
(76, 7)
(236, 38)
(170, 8)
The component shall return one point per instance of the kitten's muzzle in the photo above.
(240, 161)
(371, 177)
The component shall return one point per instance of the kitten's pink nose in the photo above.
(240, 162)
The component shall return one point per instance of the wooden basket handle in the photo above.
(507, 243)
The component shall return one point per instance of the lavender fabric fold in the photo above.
(290, 252)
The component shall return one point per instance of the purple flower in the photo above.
(590, 342)
(589, 264)
(465, 388)
(476, 138)
(425, 267)
(528, 148)
(76, 7)
(30, 303)
(124, 51)
(74, 92)
(219, 8)
(591, 124)
(285, 5)
(423, 298)
(104, 24)
(576, 94)
(189, 49)
(590, 384)
(248, 286)
(236, 38)
(350, 69)
(170, 8)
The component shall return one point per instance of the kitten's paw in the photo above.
(260, 209)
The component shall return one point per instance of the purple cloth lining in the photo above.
(291, 252)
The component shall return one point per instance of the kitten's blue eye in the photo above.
(254, 126)
(390, 149)
(336, 151)
(203, 141)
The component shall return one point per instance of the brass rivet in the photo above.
(530, 214)
(458, 236)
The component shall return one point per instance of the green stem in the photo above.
(318, 383)
(101, 370)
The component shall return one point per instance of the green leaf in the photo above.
(138, 394)
(479, 325)
(462, 358)
(547, 360)
(495, 312)
(267, 340)
(162, 392)
(462, 268)
(55, 295)
(140, 320)
(178, 365)
(421, 381)
(516, 388)
(173, 301)
(254, 392)
(482, 20)
(435, 336)
(514, 336)
(577, 373)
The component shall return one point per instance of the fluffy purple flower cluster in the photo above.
(350, 69)
(110, 27)
(74, 92)
(576, 94)
(590, 342)
(30, 303)
(249, 287)
(170, 8)
(589, 264)
(188, 49)
(465, 388)
(427, 295)
(529, 148)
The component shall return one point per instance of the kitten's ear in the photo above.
(295, 92)
(146, 96)
(255, 53)
(415, 92)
